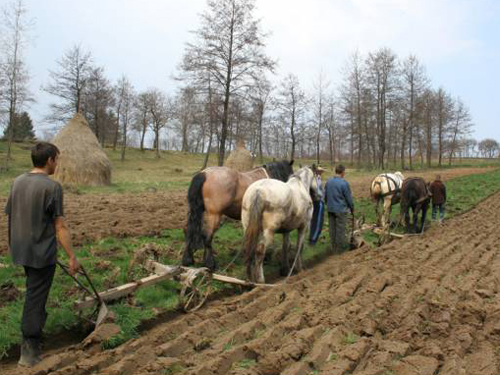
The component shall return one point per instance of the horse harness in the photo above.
(390, 192)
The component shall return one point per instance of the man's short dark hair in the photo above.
(41, 152)
(339, 169)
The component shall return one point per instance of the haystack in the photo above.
(240, 158)
(82, 160)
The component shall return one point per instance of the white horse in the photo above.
(386, 187)
(271, 206)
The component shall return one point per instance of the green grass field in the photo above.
(107, 260)
(174, 170)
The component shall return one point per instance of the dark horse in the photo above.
(218, 191)
(414, 194)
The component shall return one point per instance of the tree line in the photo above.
(385, 111)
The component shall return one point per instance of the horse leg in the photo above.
(416, 211)
(377, 213)
(187, 256)
(285, 265)
(424, 215)
(387, 211)
(212, 224)
(260, 253)
(300, 246)
(406, 214)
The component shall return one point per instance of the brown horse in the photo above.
(218, 191)
(415, 195)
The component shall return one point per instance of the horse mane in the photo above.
(279, 170)
(302, 171)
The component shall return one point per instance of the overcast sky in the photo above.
(457, 41)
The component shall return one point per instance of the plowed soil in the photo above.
(423, 305)
(93, 216)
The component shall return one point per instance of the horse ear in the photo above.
(291, 162)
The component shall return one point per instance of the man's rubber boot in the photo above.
(30, 353)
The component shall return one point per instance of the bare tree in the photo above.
(186, 107)
(459, 127)
(332, 126)
(320, 90)
(353, 101)
(160, 109)
(142, 116)
(14, 77)
(444, 113)
(68, 83)
(96, 104)
(382, 75)
(291, 101)
(414, 82)
(125, 97)
(489, 148)
(229, 47)
(469, 145)
(261, 98)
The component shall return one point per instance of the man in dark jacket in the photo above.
(438, 191)
(36, 223)
(338, 200)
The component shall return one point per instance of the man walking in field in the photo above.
(338, 200)
(438, 191)
(36, 223)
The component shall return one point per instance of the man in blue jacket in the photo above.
(338, 199)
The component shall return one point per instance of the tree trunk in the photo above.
(124, 141)
(261, 119)
(143, 133)
(115, 140)
(157, 141)
(292, 133)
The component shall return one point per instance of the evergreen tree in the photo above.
(22, 128)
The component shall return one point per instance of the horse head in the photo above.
(279, 170)
(306, 176)
(400, 175)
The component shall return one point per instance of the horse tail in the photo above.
(253, 229)
(407, 197)
(194, 232)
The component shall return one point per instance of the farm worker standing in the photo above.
(35, 216)
(319, 207)
(438, 191)
(338, 200)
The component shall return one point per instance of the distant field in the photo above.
(173, 171)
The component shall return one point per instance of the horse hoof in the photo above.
(186, 262)
(212, 266)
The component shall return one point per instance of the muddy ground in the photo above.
(424, 305)
(93, 216)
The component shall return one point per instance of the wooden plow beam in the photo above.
(196, 285)
(378, 230)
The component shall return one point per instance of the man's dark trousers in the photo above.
(336, 227)
(38, 283)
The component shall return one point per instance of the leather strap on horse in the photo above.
(388, 179)
(265, 172)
